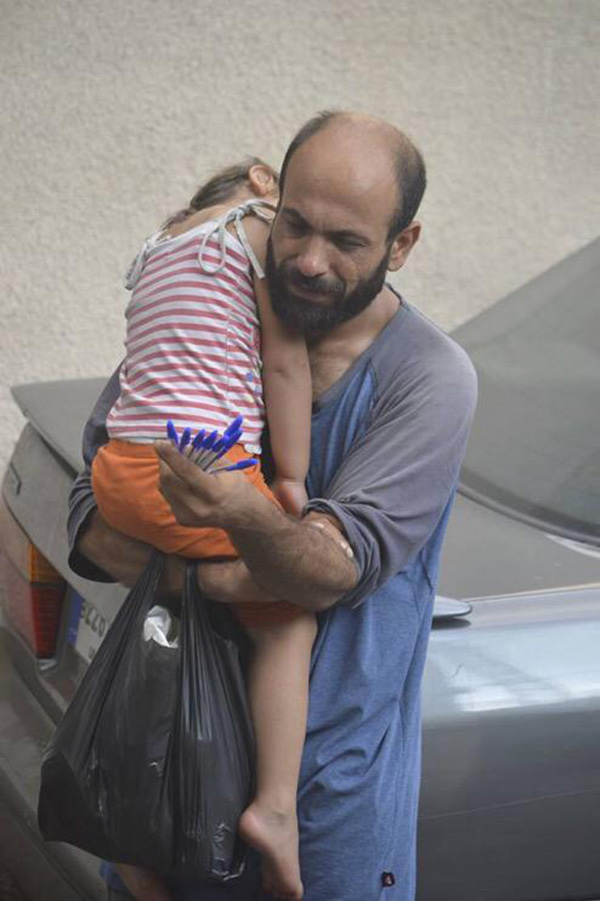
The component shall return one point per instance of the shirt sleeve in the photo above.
(394, 485)
(82, 502)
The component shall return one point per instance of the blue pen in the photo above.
(207, 445)
(172, 433)
(198, 450)
(241, 464)
(221, 448)
(198, 447)
(208, 442)
(185, 439)
(235, 425)
(234, 437)
(218, 449)
(196, 444)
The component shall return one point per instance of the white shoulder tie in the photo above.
(235, 215)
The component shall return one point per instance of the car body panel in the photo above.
(59, 411)
(486, 553)
(534, 449)
(36, 490)
(511, 767)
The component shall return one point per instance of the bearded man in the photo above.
(393, 402)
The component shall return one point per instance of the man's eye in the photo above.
(347, 244)
(295, 227)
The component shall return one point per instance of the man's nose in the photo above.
(312, 259)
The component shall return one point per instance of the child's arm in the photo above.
(288, 398)
(287, 387)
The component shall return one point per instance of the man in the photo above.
(394, 399)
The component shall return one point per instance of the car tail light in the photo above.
(33, 590)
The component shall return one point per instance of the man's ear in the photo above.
(262, 179)
(402, 245)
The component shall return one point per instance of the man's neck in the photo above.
(333, 354)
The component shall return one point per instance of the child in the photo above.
(202, 343)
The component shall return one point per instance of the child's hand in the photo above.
(291, 495)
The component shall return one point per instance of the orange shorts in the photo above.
(125, 483)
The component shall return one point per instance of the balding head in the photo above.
(345, 219)
(361, 140)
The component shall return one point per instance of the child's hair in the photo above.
(218, 188)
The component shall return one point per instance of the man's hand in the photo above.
(286, 557)
(198, 498)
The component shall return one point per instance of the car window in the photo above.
(535, 445)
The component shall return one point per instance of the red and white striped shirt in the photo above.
(193, 339)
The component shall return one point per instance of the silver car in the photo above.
(510, 800)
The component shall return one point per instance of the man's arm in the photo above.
(387, 496)
(124, 558)
(121, 557)
(306, 562)
(101, 553)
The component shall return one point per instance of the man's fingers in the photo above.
(168, 481)
(176, 462)
(191, 493)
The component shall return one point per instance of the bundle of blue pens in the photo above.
(207, 450)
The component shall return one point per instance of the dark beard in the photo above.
(316, 319)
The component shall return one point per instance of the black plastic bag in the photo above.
(152, 762)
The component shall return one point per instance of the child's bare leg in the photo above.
(145, 885)
(278, 689)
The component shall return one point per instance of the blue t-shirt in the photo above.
(387, 443)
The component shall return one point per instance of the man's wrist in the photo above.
(250, 511)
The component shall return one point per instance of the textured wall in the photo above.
(112, 112)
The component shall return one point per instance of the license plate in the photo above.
(87, 627)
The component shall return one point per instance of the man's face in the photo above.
(329, 252)
(316, 305)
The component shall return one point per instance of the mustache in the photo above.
(317, 284)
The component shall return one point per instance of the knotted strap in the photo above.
(235, 215)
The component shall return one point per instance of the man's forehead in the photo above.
(342, 179)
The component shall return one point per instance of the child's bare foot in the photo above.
(275, 836)
(144, 885)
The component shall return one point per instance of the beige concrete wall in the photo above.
(111, 112)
